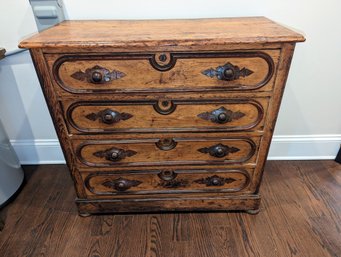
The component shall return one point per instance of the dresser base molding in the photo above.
(248, 203)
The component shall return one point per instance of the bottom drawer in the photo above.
(166, 181)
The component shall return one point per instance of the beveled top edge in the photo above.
(154, 33)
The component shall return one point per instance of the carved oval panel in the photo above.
(150, 181)
(141, 152)
(163, 72)
(193, 116)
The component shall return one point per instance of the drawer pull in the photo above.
(164, 107)
(114, 154)
(169, 181)
(214, 181)
(227, 72)
(109, 116)
(221, 115)
(98, 75)
(218, 150)
(121, 184)
(163, 57)
(167, 175)
(166, 144)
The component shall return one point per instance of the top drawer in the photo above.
(163, 72)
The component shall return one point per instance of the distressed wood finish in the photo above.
(106, 184)
(240, 114)
(164, 115)
(182, 72)
(187, 151)
(163, 33)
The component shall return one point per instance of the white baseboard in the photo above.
(38, 151)
(297, 147)
(304, 147)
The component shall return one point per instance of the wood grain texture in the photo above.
(157, 182)
(184, 116)
(146, 151)
(180, 94)
(57, 116)
(182, 72)
(275, 102)
(300, 216)
(153, 33)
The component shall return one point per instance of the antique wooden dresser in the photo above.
(164, 115)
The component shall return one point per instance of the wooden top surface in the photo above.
(2, 53)
(142, 33)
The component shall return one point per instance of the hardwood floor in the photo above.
(300, 216)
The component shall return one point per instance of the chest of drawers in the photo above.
(164, 115)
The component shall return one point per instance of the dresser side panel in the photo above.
(275, 102)
(56, 113)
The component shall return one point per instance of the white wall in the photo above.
(16, 20)
(309, 123)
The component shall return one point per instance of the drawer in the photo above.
(163, 72)
(166, 115)
(166, 181)
(166, 151)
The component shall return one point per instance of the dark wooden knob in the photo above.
(121, 185)
(219, 151)
(109, 117)
(166, 144)
(215, 181)
(114, 155)
(228, 74)
(166, 141)
(167, 175)
(163, 57)
(222, 117)
(96, 77)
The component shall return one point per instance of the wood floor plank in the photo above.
(300, 216)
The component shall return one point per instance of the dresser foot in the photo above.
(84, 214)
(252, 212)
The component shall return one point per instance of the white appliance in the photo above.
(16, 21)
(11, 173)
(25, 17)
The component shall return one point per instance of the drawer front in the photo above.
(166, 115)
(166, 151)
(166, 181)
(169, 72)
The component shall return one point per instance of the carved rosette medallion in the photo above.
(164, 106)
